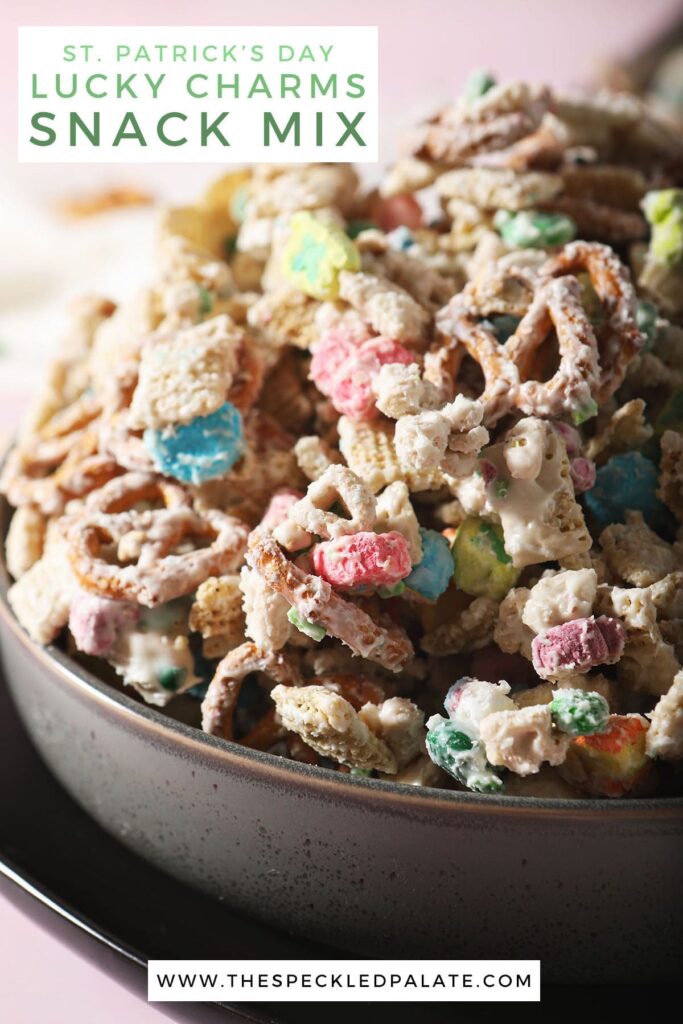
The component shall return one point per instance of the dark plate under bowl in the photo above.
(592, 888)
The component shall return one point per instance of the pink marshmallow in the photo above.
(454, 695)
(279, 506)
(96, 622)
(614, 635)
(345, 371)
(487, 470)
(363, 559)
(397, 211)
(582, 474)
(570, 436)
(577, 646)
(329, 355)
(385, 350)
(351, 393)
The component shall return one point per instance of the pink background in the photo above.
(427, 49)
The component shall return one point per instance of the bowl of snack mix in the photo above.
(344, 562)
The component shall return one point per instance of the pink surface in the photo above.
(426, 51)
(44, 981)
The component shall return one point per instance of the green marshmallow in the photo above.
(461, 755)
(355, 227)
(585, 412)
(170, 677)
(579, 712)
(670, 416)
(205, 300)
(664, 212)
(646, 318)
(590, 300)
(478, 84)
(503, 326)
(230, 246)
(311, 629)
(238, 204)
(534, 229)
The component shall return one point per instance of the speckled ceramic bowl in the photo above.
(593, 888)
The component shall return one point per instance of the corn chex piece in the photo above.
(217, 614)
(25, 539)
(369, 451)
(665, 735)
(41, 599)
(186, 374)
(671, 472)
(329, 724)
(635, 553)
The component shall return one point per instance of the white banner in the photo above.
(198, 95)
(378, 981)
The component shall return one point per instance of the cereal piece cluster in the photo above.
(448, 439)
(522, 740)
(387, 308)
(25, 540)
(635, 553)
(648, 663)
(560, 597)
(351, 445)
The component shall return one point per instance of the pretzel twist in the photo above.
(218, 706)
(98, 544)
(593, 361)
(60, 462)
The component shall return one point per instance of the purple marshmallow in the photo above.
(577, 646)
(97, 622)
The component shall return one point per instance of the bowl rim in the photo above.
(294, 772)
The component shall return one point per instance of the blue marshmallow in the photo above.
(627, 481)
(430, 578)
(207, 447)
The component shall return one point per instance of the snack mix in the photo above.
(390, 481)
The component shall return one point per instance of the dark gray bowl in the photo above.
(592, 888)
